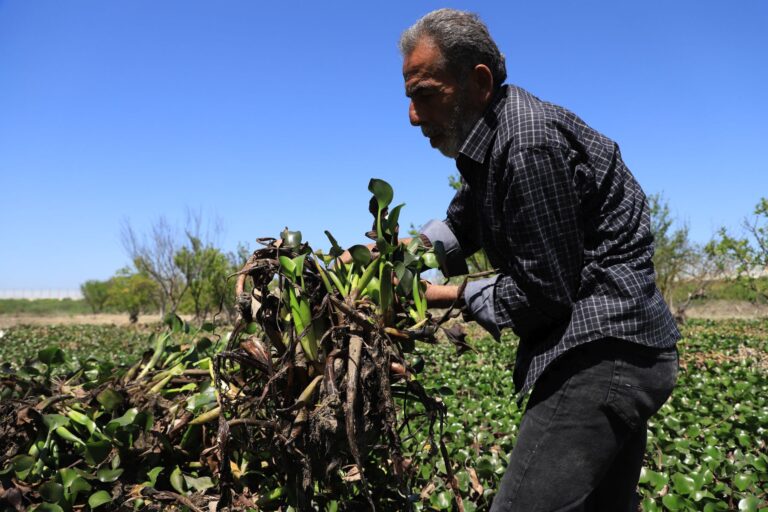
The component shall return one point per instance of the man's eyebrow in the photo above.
(410, 90)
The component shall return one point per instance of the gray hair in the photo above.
(463, 40)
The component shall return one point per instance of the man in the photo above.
(567, 226)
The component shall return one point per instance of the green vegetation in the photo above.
(706, 449)
(330, 392)
(720, 289)
(96, 294)
(747, 255)
(675, 258)
(76, 424)
(708, 443)
(120, 345)
(43, 307)
(187, 272)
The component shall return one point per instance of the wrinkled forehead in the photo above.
(425, 60)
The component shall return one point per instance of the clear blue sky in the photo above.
(267, 114)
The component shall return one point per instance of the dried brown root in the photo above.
(329, 423)
(353, 374)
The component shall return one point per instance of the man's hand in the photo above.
(442, 296)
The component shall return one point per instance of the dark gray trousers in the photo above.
(582, 438)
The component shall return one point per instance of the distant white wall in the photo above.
(41, 294)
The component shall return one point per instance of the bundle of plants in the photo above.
(317, 374)
(83, 433)
(313, 401)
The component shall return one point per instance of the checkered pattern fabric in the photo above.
(566, 224)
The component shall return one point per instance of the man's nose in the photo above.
(413, 116)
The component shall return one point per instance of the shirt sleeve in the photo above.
(438, 231)
(543, 227)
(479, 298)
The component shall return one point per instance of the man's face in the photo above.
(439, 102)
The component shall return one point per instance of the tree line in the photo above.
(172, 271)
(182, 271)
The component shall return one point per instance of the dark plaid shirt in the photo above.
(567, 226)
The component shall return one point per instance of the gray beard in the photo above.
(460, 124)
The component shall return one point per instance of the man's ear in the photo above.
(482, 85)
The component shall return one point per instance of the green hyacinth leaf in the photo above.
(298, 262)
(683, 484)
(404, 278)
(393, 218)
(82, 419)
(22, 465)
(336, 249)
(107, 475)
(109, 399)
(673, 502)
(79, 484)
(361, 255)
(743, 481)
(48, 507)
(288, 265)
(98, 499)
(200, 484)
(430, 260)
(51, 355)
(177, 481)
(52, 492)
(97, 451)
(68, 436)
(54, 421)
(382, 191)
(153, 474)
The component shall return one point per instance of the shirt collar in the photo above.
(479, 139)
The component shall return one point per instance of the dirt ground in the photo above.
(715, 310)
(100, 319)
(723, 309)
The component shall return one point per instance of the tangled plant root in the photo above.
(331, 424)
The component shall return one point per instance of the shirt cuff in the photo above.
(438, 231)
(478, 295)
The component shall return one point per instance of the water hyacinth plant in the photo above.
(325, 384)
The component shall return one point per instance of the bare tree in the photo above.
(153, 254)
(180, 262)
(701, 271)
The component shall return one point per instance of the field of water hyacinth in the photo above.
(706, 448)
